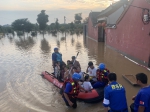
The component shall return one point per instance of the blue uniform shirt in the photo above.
(68, 88)
(115, 97)
(143, 99)
(57, 57)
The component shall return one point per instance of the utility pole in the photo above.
(64, 20)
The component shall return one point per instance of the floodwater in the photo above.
(22, 60)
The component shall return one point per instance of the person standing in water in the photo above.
(114, 96)
(71, 89)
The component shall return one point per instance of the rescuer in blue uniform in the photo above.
(114, 96)
(142, 99)
(71, 89)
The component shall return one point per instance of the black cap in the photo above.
(73, 57)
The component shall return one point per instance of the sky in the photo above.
(11, 10)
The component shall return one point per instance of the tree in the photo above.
(18, 25)
(72, 27)
(78, 18)
(85, 21)
(42, 20)
(28, 27)
(57, 24)
(22, 25)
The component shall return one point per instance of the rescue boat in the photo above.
(93, 96)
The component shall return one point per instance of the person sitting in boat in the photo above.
(81, 74)
(102, 76)
(66, 74)
(78, 70)
(71, 68)
(62, 72)
(92, 72)
(75, 62)
(57, 57)
(86, 84)
(57, 70)
(71, 90)
(68, 63)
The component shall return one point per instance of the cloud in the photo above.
(53, 4)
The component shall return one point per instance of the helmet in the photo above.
(101, 66)
(76, 76)
(55, 48)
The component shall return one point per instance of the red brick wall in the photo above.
(92, 30)
(131, 36)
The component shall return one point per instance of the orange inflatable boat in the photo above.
(95, 95)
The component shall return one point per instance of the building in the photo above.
(131, 36)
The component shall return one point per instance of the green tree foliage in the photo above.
(6, 30)
(22, 25)
(1, 29)
(42, 20)
(28, 27)
(51, 27)
(78, 18)
(72, 26)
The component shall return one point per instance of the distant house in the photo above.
(92, 28)
(109, 16)
(112, 13)
(131, 36)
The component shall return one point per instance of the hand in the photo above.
(133, 98)
(70, 103)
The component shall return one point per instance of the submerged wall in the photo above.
(92, 30)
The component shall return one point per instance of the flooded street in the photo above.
(22, 60)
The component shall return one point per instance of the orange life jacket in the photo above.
(102, 75)
(75, 87)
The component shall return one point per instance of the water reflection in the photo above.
(10, 38)
(79, 46)
(45, 47)
(72, 41)
(25, 43)
(63, 39)
(85, 41)
(58, 42)
(23, 90)
(1, 37)
(54, 34)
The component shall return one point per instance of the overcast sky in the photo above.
(11, 10)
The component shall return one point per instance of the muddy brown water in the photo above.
(22, 59)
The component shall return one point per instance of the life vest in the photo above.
(75, 87)
(59, 57)
(102, 75)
